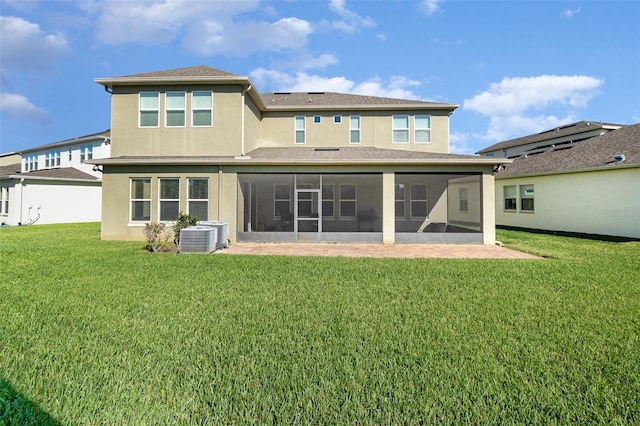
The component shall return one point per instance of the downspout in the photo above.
(21, 197)
(219, 192)
(244, 91)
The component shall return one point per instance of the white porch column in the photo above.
(488, 209)
(388, 208)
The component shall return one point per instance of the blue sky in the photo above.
(514, 67)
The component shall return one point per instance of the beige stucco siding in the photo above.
(222, 138)
(603, 202)
(116, 223)
(376, 130)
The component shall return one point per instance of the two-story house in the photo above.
(314, 166)
(53, 183)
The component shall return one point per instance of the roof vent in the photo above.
(619, 158)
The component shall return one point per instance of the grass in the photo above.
(102, 332)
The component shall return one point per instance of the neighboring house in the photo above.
(556, 137)
(53, 183)
(313, 166)
(588, 187)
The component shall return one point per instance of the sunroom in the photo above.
(360, 207)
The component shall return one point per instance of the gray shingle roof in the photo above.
(10, 169)
(334, 99)
(555, 133)
(351, 154)
(594, 153)
(64, 173)
(197, 71)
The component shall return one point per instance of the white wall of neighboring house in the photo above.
(602, 202)
(47, 201)
(72, 155)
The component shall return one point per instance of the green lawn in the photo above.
(96, 332)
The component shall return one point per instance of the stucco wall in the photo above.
(55, 202)
(222, 138)
(596, 202)
(375, 130)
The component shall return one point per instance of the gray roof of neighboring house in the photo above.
(313, 156)
(10, 169)
(595, 153)
(555, 133)
(62, 173)
(271, 101)
(105, 134)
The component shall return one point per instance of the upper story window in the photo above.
(149, 109)
(300, 129)
(175, 109)
(422, 129)
(317, 119)
(86, 152)
(337, 119)
(70, 154)
(354, 129)
(202, 109)
(400, 129)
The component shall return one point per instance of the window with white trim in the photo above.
(149, 107)
(422, 129)
(300, 129)
(337, 119)
(83, 153)
(354, 129)
(282, 200)
(347, 202)
(89, 152)
(328, 198)
(70, 154)
(57, 156)
(4, 201)
(175, 109)
(169, 199)
(198, 198)
(400, 200)
(526, 198)
(419, 201)
(202, 108)
(400, 129)
(140, 196)
(463, 197)
(317, 119)
(509, 195)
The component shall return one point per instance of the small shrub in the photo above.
(182, 221)
(156, 235)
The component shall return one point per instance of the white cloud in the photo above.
(429, 7)
(242, 38)
(351, 22)
(568, 13)
(519, 106)
(20, 107)
(394, 87)
(153, 22)
(26, 46)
